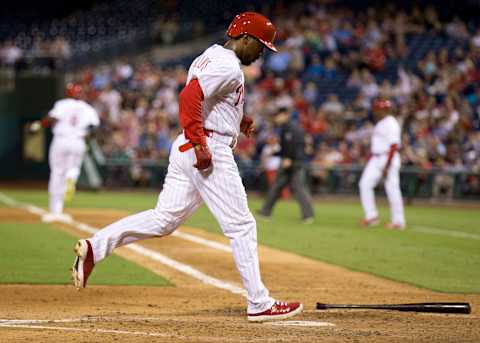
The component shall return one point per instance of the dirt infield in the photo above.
(195, 312)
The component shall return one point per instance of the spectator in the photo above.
(279, 62)
(110, 100)
(369, 86)
(10, 53)
(332, 106)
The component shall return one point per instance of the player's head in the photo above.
(253, 32)
(74, 91)
(382, 107)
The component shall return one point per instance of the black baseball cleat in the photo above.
(308, 220)
(84, 263)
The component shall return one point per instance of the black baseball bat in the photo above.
(463, 308)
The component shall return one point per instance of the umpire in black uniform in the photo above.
(292, 170)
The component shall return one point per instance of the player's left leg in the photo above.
(370, 177)
(56, 182)
(73, 164)
(394, 194)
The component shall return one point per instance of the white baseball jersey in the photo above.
(73, 118)
(220, 187)
(385, 133)
(222, 81)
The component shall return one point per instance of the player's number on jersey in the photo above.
(202, 63)
(240, 90)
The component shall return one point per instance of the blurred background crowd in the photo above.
(334, 59)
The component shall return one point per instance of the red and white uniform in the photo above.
(386, 134)
(221, 81)
(67, 150)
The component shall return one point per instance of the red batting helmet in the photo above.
(73, 90)
(253, 24)
(382, 104)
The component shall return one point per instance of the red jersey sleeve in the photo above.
(190, 112)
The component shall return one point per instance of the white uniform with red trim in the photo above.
(220, 188)
(385, 133)
(67, 150)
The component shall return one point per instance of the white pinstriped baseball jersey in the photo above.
(385, 133)
(73, 118)
(222, 81)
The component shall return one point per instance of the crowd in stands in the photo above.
(104, 26)
(331, 64)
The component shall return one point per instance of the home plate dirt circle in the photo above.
(300, 323)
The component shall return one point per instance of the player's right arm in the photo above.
(190, 111)
(53, 116)
(50, 119)
(45, 122)
(393, 131)
(393, 149)
(211, 77)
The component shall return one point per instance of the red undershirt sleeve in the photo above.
(190, 112)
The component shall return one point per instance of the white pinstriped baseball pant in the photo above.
(184, 190)
(371, 176)
(65, 160)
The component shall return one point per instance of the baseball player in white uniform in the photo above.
(384, 162)
(72, 119)
(202, 167)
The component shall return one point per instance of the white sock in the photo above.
(56, 203)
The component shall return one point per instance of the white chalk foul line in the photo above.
(181, 267)
(186, 269)
(441, 232)
(63, 328)
(299, 323)
(132, 333)
(202, 241)
(7, 200)
(90, 319)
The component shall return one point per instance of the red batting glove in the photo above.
(247, 126)
(204, 157)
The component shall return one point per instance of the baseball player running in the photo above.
(71, 119)
(384, 162)
(202, 167)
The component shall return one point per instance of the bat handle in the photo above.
(321, 306)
